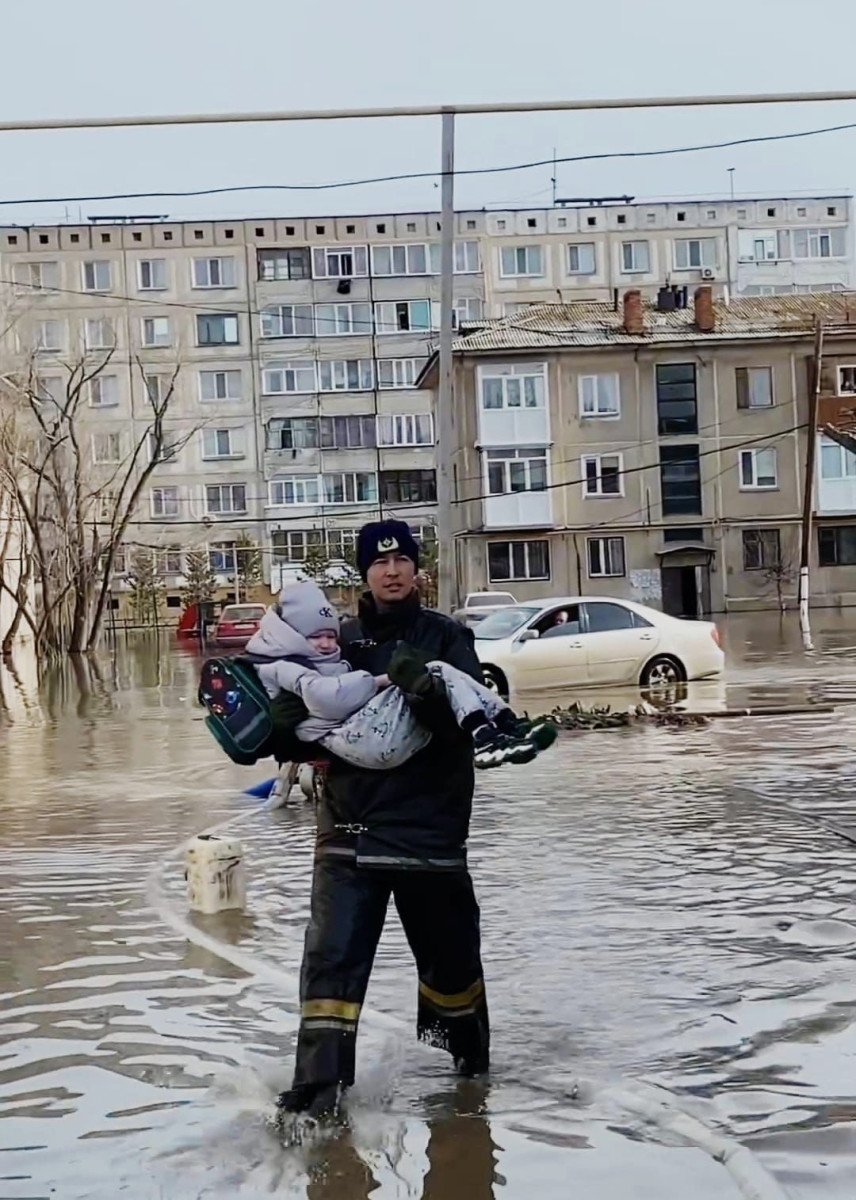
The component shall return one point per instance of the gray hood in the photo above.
(277, 639)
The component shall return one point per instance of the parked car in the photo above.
(584, 641)
(479, 605)
(237, 623)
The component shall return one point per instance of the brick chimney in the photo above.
(634, 318)
(705, 317)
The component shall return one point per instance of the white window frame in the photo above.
(158, 339)
(282, 255)
(349, 479)
(218, 271)
(636, 253)
(529, 262)
(842, 391)
(461, 313)
(228, 490)
(305, 491)
(386, 327)
(113, 438)
(814, 242)
(328, 262)
(296, 377)
(511, 372)
(155, 386)
(225, 553)
(283, 315)
(93, 268)
(94, 330)
(45, 344)
(343, 319)
(408, 253)
(35, 276)
(157, 267)
(603, 548)
(339, 371)
(404, 372)
(598, 493)
(579, 247)
(169, 560)
(96, 385)
(593, 406)
(467, 259)
(404, 428)
(169, 447)
(214, 434)
(231, 324)
(527, 573)
(752, 375)
(229, 376)
(706, 259)
(846, 462)
(505, 459)
(164, 501)
(752, 456)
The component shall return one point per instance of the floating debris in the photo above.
(580, 718)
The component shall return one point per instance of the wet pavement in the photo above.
(654, 916)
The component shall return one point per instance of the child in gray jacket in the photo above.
(360, 717)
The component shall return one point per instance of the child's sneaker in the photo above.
(511, 740)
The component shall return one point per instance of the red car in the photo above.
(237, 623)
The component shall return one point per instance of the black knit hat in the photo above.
(385, 537)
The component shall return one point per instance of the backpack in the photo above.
(239, 711)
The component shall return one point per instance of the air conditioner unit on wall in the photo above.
(708, 273)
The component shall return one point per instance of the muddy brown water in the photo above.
(650, 912)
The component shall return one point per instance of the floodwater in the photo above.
(655, 919)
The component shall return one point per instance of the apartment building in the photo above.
(298, 343)
(654, 453)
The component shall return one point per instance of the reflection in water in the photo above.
(644, 915)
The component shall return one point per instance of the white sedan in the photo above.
(582, 641)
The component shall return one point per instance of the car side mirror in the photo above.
(529, 635)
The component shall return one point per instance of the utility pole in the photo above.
(808, 494)
(447, 583)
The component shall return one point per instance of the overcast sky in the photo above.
(111, 58)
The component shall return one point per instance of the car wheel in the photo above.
(662, 672)
(495, 681)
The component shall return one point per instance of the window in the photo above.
(339, 262)
(682, 216)
(399, 316)
(107, 448)
(466, 308)
(521, 260)
(605, 557)
(221, 443)
(599, 396)
(635, 257)
(695, 252)
(292, 433)
(164, 501)
(291, 545)
(582, 259)
(621, 219)
(345, 375)
(837, 545)
(406, 430)
(284, 264)
(294, 489)
(224, 498)
(219, 385)
(847, 381)
(602, 475)
(835, 461)
(156, 386)
(416, 259)
(37, 276)
(169, 560)
(156, 331)
(517, 470)
(99, 334)
(680, 481)
(221, 557)
(278, 379)
(48, 336)
(357, 488)
(819, 243)
(287, 320)
(605, 618)
(213, 272)
(513, 386)
(348, 433)
(340, 320)
(761, 549)
(676, 399)
(408, 487)
(754, 387)
(50, 388)
(103, 391)
(711, 214)
(507, 561)
(758, 469)
(97, 276)
(467, 255)
(398, 372)
(151, 274)
(168, 448)
(217, 329)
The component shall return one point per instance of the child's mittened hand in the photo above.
(382, 681)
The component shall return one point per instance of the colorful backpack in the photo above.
(239, 714)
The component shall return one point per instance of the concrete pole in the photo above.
(808, 494)
(447, 583)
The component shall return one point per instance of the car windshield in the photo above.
(505, 622)
(250, 612)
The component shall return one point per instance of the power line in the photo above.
(415, 175)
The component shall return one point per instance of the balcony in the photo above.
(520, 510)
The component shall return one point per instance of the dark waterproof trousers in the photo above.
(441, 921)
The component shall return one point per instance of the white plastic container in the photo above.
(215, 874)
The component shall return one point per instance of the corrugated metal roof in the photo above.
(595, 323)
